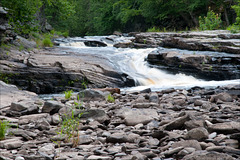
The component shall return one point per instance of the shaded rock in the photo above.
(176, 124)
(92, 95)
(197, 134)
(85, 139)
(225, 97)
(188, 143)
(95, 114)
(225, 149)
(93, 157)
(43, 124)
(117, 138)
(203, 155)
(52, 107)
(227, 127)
(12, 143)
(153, 97)
(186, 151)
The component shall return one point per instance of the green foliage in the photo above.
(153, 29)
(68, 94)
(235, 28)
(211, 22)
(47, 42)
(4, 78)
(4, 125)
(22, 14)
(110, 98)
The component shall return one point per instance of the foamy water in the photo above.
(132, 62)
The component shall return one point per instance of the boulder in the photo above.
(51, 107)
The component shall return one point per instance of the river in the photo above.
(132, 62)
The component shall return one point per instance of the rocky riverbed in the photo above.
(193, 124)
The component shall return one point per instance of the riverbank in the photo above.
(188, 124)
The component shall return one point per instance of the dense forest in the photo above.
(101, 17)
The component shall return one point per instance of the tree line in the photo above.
(102, 17)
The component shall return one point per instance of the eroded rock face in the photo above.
(220, 40)
(57, 70)
(203, 66)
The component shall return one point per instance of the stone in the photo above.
(13, 143)
(204, 155)
(92, 95)
(176, 124)
(198, 134)
(117, 138)
(43, 124)
(227, 127)
(51, 107)
(133, 117)
(186, 151)
(47, 149)
(93, 157)
(85, 139)
(222, 149)
(95, 114)
(153, 97)
(56, 119)
(32, 118)
(225, 97)
(187, 143)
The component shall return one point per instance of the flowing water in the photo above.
(132, 62)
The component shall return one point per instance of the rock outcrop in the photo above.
(210, 67)
(205, 126)
(220, 40)
(55, 70)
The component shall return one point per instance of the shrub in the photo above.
(110, 98)
(235, 28)
(211, 22)
(4, 125)
(153, 29)
(47, 42)
(68, 94)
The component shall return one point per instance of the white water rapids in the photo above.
(132, 62)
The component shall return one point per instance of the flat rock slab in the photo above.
(10, 93)
(134, 116)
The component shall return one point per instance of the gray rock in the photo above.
(56, 119)
(32, 118)
(225, 97)
(186, 151)
(133, 117)
(43, 124)
(92, 95)
(204, 155)
(95, 114)
(188, 143)
(153, 97)
(227, 127)
(12, 143)
(117, 138)
(198, 134)
(85, 139)
(176, 124)
(93, 157)
(47, 149)
(52, 107)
